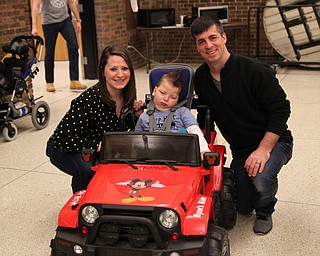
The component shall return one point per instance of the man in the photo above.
(56, 19)
(251, 111)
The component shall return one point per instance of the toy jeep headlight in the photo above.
(168, 219)
(90, 214)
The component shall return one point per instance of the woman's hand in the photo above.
(99, 147)
(138, 107)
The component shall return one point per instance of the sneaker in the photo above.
(262, 225)
(50, 87)
(76, 85)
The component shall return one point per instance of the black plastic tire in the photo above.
(217, 243)
(225, 212)
(55, 251)
(40, 115)
(10, 132)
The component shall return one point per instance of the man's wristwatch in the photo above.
(78, 20)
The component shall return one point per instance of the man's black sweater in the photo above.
(251, 103)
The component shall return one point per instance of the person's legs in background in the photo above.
(69, 34)
(50, 33)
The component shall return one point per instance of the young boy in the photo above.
(165, 98)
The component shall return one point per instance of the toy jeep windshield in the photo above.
(151, 148)
(151, 195)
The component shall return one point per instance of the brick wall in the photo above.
(165, 46)
(112, 27)
(112, 18)
(115, 24)
(15, 20)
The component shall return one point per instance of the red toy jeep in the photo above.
(151, 196)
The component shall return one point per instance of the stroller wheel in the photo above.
(40, 115)
(10, 132)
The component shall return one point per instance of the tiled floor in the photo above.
(32, 191)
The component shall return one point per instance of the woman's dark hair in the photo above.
(203, 23)
(129, 91)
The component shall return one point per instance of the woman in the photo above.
(93, 112)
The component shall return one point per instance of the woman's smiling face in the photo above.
(117, 73)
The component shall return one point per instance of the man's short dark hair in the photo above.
(203, 23)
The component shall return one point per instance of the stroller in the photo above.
(17, 69)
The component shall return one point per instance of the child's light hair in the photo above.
(174, 78)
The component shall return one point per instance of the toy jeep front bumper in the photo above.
(70, 240)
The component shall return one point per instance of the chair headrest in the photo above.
(186, 75)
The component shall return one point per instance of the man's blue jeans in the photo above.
(72, 164)
(66, 29)
(259, 193)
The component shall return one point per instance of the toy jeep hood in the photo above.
(146, 167)
(155, 184)
(149, 186)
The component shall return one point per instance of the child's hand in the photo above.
(138, 107)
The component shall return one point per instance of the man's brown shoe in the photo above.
(50, 87)
(76, 85)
